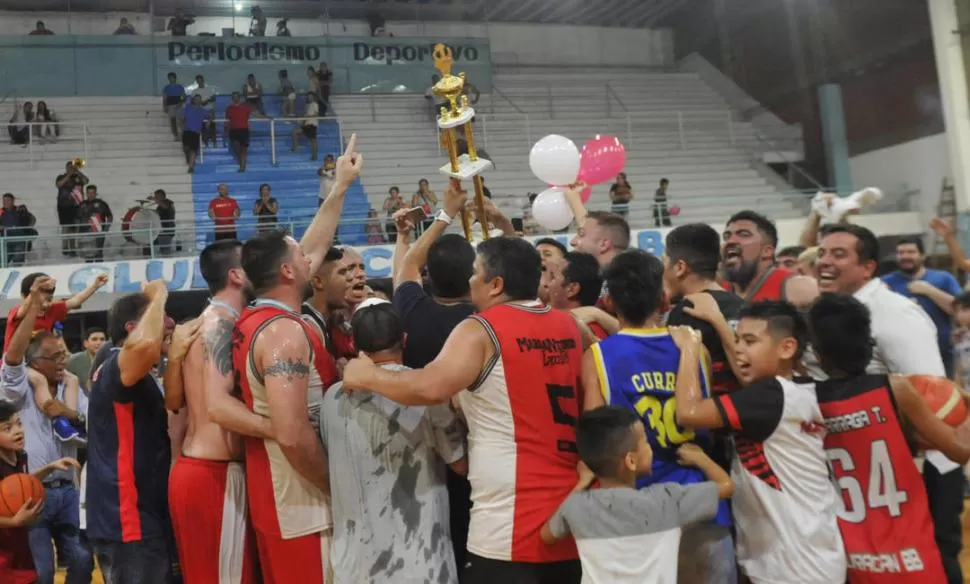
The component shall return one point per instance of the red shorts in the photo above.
(303, 559)
(207, 502)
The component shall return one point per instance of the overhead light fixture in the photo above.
(239, 7)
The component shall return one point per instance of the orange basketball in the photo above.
(942, 397)
(15, 490)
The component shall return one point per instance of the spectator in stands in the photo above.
(47, 128)
(375, 235)
(325, 83)
(788, 257)
(661, 216)
(195, 116)
(166, 214)
(19, 127)
(208, 96)
(178, 23)
(621, 193)
(392, 204)
(95, 217)
(69, 196)
(308, 126)
(257, 26)
(266, 209)
(16, 221)
(41, 29)
(425, 198)
(224, 210)
(327, 174)
(237, 115)
(80, 363)
(173, 95)
(288, 93)
(125, 27)
(253, 91)
(313, 83)
(282, 30)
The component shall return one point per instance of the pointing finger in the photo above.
(351, 145)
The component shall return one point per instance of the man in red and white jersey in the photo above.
(784, 505)
(337, 288)
(207, 484)
(885, 520)
(520, 362)
(748, 258)
(276, 355)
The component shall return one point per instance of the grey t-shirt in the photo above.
(387, 483)
(629, 535)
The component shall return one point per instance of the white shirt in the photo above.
(312, 111)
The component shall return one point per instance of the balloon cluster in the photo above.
(556, 161)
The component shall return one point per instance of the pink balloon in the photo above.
(602, 158)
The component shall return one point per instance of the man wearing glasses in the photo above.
(35, 363)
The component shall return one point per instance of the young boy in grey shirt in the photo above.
(624, 534)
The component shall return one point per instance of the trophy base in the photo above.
(467, 168)
(464, 116)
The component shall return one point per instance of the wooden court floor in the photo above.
(964, 556)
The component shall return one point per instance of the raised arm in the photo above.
(75, 302)
(282, 353)
(945, 231)
(458, 366)
(417, 256)
(319, 235)
(219, 383)
(183, 338)
(401, 246)
(25, 328)
(575, 201)
(143, 347)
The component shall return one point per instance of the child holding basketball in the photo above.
(16, 562)
(886, 525)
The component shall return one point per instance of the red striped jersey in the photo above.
(522, 414)
(771, 286)
(281, 502)
(885, 517)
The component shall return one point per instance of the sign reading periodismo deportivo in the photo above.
(200, 52)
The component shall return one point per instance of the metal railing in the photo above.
(35, 141)
(294, 122)
(146, 243)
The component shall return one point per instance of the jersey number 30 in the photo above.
(662, 418)
(882, 484)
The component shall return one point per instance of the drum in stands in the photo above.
(141, 225)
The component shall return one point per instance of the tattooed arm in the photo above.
(219, 383)
(282, 355)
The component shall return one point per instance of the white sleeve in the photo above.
(82, 402)
(13, 383)
(906, 341)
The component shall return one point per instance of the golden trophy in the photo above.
(455, 115)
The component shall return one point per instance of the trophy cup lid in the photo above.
(450, 86)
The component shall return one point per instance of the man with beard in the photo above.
(276, 356)
(207, 485)
(602, 235)
(904, 341)
(933, 290)
(748, 258)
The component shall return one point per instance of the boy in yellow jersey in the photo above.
(637, 369)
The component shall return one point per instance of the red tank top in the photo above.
(885, 523)
(523, 416)
(771, 286)
(267, 475)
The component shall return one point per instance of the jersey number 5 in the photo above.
(556, 394)
(882, 484)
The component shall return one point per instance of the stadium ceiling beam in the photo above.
(598, 13)
(527, 10)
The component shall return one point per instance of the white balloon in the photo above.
(551, 210)
(555, 160)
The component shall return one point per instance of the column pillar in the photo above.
(834, 136)
(952, 74)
